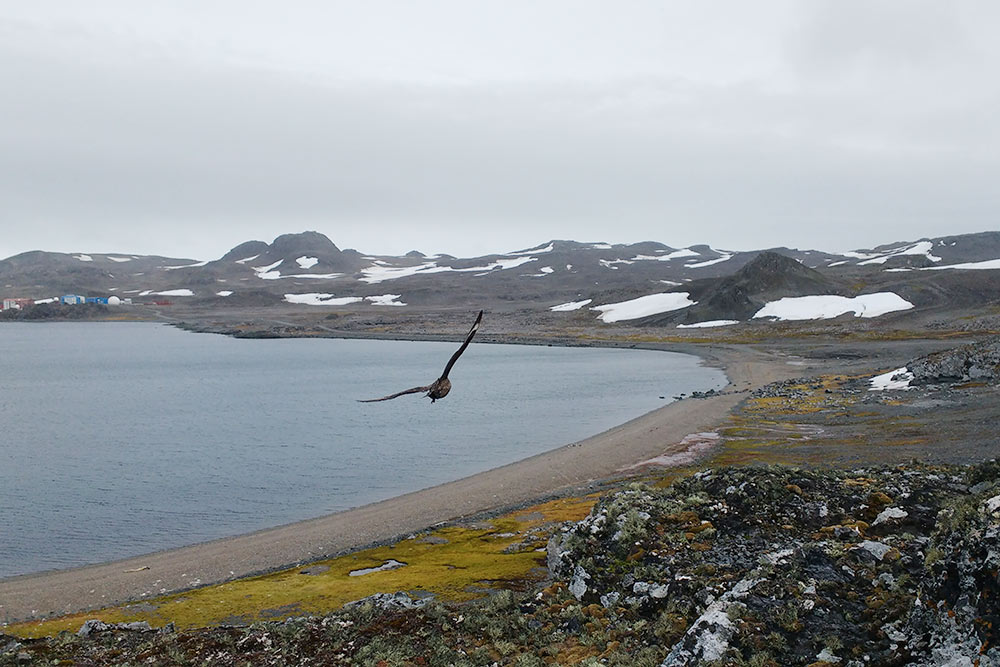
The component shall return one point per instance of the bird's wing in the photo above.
(414, 390)
(468, 339)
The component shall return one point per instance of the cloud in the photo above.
(110, 142)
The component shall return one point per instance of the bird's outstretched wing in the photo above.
(414, 390)
(468, 339)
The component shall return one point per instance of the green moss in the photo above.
(467, 564)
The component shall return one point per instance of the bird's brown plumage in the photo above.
(440, 387)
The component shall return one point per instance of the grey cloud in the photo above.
(205, 154)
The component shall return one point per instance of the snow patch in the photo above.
(119, 259)
(225, 292)
(601, 246)
(533, 251)
(726, 256)
(315, 276)
(676, 254)
(175, 292)
(968, 266)
(318, 299)
(612, 264)
(897, 379)
(84, 258)
(268, 272)
(307, 262)
(572, 305)
(247, 259)
(651, 304)
(379, 272)
(385, 300)
(918, 248)
(708, 324)
(184, 266)
(829, 305)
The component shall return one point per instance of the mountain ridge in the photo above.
(308, 269)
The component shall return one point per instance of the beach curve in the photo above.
(561, 470)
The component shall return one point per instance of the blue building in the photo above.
(72, 299)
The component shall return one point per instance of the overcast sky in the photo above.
(186, 127)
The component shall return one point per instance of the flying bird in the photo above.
(441, 386)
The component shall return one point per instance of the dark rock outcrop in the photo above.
(977, 362)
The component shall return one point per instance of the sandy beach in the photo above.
(573, 466)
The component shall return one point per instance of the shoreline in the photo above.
(573, 467)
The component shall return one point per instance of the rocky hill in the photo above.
(767, 277)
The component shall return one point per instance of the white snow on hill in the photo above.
(676, 254)
(572, 305)
(321, 299)
(385, 300)
(307, 262)
(897, 379)
(268, 272)
(318, 299)
(726, 256)
(829, 305)
(918, 248)
(651, 304)
(185, 266)
(380, 271)
(971, 266)
(175, 292)
(708, 324)
(533, 251)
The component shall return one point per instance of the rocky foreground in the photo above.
(757, 565)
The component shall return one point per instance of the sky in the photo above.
(184, 128)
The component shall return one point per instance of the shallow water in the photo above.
(118, 439)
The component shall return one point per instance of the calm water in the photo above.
(121, 439)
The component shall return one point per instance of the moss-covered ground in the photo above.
(454, 563)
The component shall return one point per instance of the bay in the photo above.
(118, 439)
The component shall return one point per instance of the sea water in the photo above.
(118, 439)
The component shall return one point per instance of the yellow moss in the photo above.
(463, 566)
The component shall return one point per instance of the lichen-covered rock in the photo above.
(95, 625)
(900, 567)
